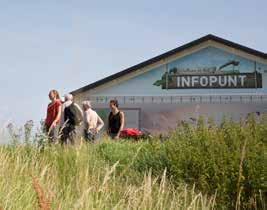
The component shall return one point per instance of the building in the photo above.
(210, 76)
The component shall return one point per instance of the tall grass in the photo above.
(77, 178)
(201, 166)
(228, 160)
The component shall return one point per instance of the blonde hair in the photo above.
(55, 92)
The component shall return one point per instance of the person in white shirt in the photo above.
(92, 122)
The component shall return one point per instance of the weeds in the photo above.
(43, 201)
(200, 166)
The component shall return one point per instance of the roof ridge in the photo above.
(169, 53)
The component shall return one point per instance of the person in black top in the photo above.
(115, 120)
(72, 118)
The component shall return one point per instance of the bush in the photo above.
(141, 156)
(211, 157)
(229, 160)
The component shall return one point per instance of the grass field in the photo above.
(201, 166)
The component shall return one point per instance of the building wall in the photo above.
(206, 58)
(161, 117)
(150, 104)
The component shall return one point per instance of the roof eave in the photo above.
(167, 54)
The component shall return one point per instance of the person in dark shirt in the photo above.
(115, 120)
(71, 118)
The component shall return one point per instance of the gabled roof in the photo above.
(170, 53)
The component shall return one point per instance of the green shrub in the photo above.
(141, 156)
(204, 155)
(210, 157)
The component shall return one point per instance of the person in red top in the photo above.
(53, 114)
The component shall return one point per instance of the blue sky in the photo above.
(69, 44)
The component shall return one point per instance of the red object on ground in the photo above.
(130, 133)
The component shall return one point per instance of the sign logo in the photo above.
(209, 78)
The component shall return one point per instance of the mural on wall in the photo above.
(209, 70)
(212, 77)
(157, 119)
(218, 72)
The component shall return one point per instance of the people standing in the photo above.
(115, 120)
(53, 115)
(71, 118)
(92, 122)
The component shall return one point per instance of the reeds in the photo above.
(93, 184)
